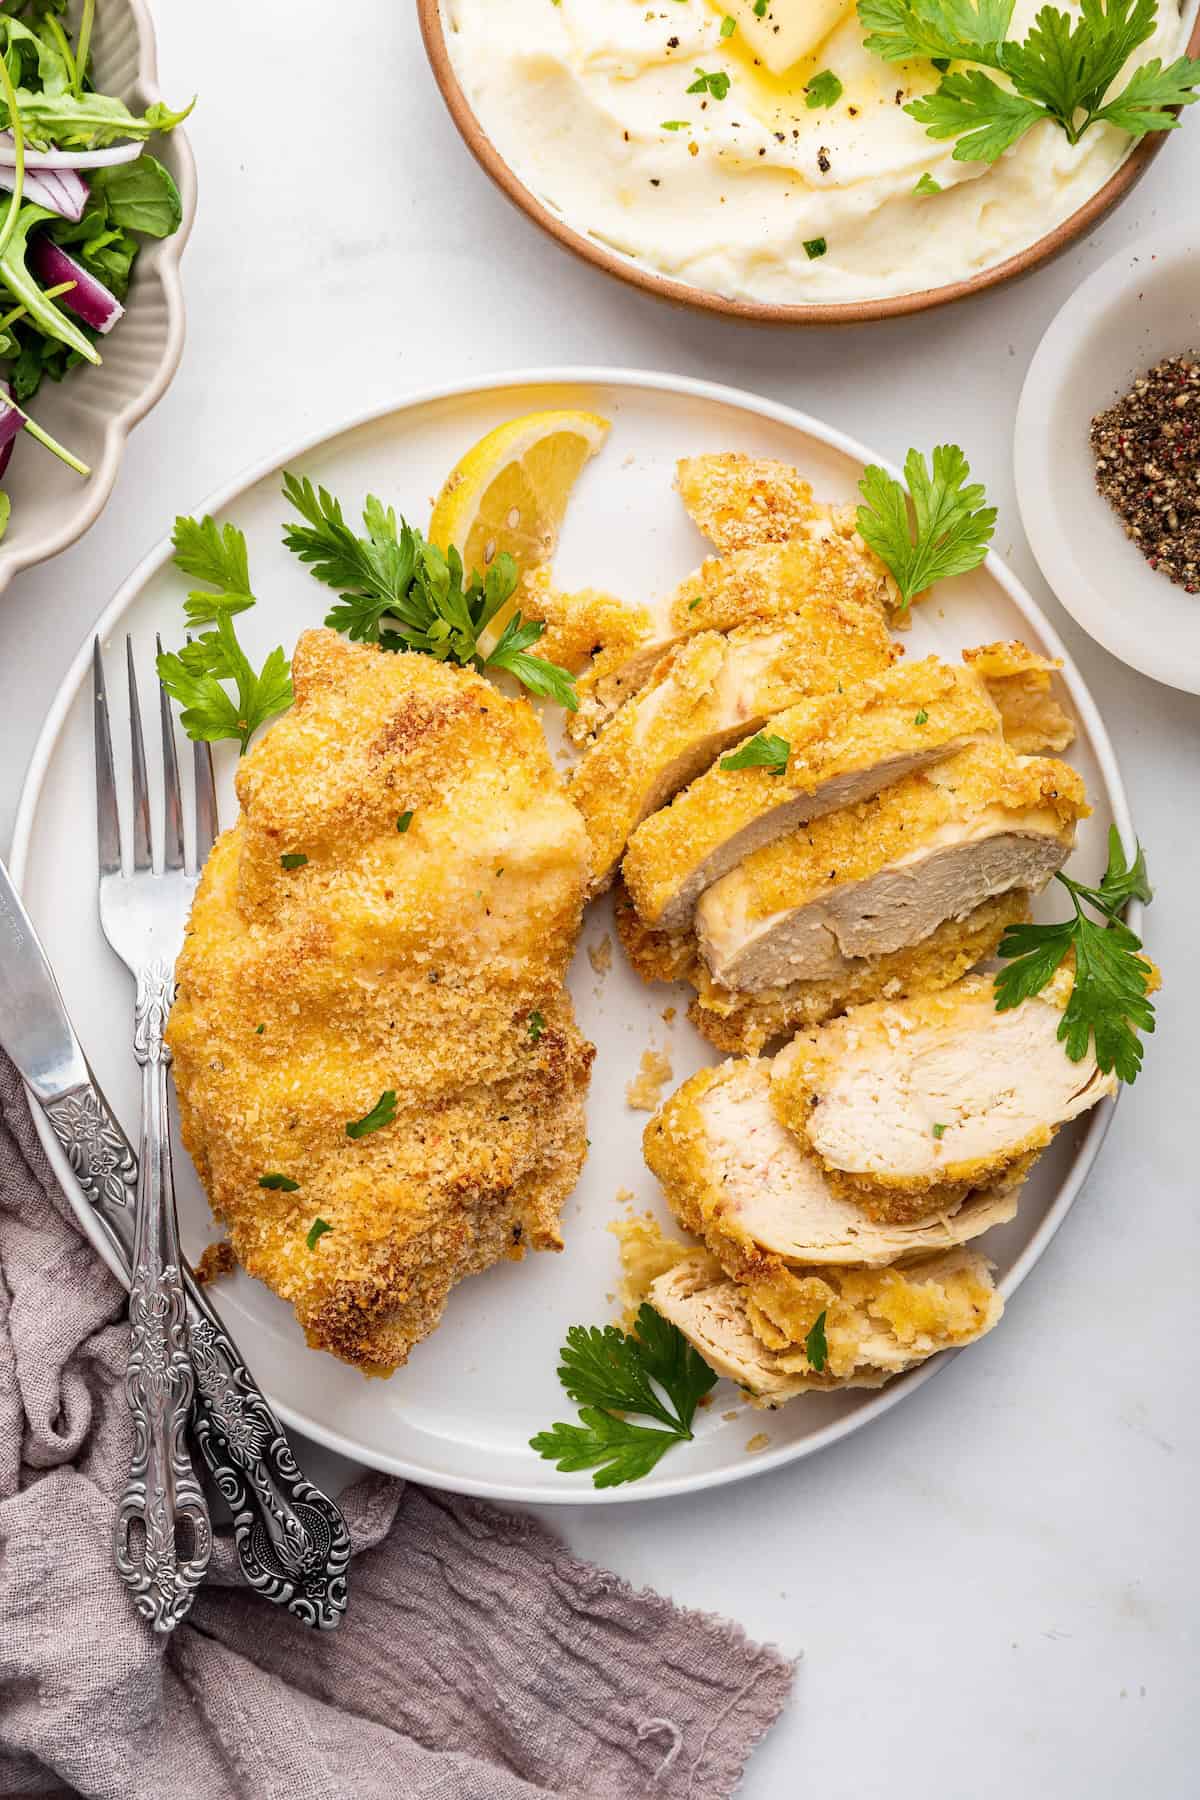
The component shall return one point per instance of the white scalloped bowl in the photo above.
(94, 410)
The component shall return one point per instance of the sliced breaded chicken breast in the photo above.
(882, 875)
(737, 500)
(759, 585)
(877, 1322)
(908, 1105)
(1021, 684)
(332, 957)
(736, 1177)
(706, 694)
(841, 748)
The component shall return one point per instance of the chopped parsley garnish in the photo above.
(823, 90)
(927, 185)
(282, 1184)
(939, 1131)
(195, 676)
(1109, 1001)
(403, 822)
(1064, 70)
(949, 530)
(922, 718)
(316, 1230)
(728, 26)
(653, 1372)
(693, 604)
(676, 125)
(293, 859)
(536, 1026)
(381, 1114)
(715, 83)
(814, 247)
(760, 752)
(259, 1029)
(402, 593)
(816, 1346)
(760, 8)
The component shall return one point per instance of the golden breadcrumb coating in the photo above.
(429, 961)
(579, 624)
(952, 1051)
(1019, 681)
(707, 693)
(761, 584)
(985, 785)
(737, 500)
(877, 1322)
(911, 714)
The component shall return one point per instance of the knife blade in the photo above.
(292, 1541)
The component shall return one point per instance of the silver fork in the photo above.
(143, 915)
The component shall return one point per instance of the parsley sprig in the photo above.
(1062, 71)
(654, 1373)
(402, 593)
(949, 530)
(197, 676)
(1109, 1000)
(763, 751)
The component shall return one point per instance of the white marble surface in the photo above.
(993, 1589)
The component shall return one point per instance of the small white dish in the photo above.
(94, 410)
(1142, 305)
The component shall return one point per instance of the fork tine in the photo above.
(143, 857)
(172, 801)
(207, 825)
(108, 823)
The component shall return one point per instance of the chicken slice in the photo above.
(909, 1105)
(707, 693)
(737, 500)
(762, 584)
(736, 1177)
(878, 1322)
(880, 876)
(1020, 682)
(842, 748)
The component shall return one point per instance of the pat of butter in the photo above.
(788, 29)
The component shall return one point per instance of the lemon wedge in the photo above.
(510, 492)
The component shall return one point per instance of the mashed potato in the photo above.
(587, 101)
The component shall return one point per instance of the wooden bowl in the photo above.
(847, 312)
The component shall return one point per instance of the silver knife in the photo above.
(291, 1539)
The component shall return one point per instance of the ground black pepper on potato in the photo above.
(1147, 449)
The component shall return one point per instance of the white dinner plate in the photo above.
(461, 1413)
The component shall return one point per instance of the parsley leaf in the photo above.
(1062, 71)
(653, 1372)
(715, 83)
(927, 185)
(381, 1114)
(316, 1230)
(823, 90)
(760, 752)
(536, 1026)
(403, 822)
(401, 592)
(282, 1184)
(814, 247)
(816, 1346)
(1109, 1001)
(293, 859)
(952, 528)
(217, 555)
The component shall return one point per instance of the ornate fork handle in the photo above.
(162, 1492)
(291, 1539)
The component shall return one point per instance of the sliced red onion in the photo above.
(60, 191)
(67, 159)
(11, 426)
(89, 298)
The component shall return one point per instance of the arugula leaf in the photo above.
(399, 591)
(760, 752)
(5, 512)
(88, 121)
(382, 1113)
(141, 196)
(1109, 1002)
(950, 529)
(654, 1372)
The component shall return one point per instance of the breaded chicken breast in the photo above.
(393, 913)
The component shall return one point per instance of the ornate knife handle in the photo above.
(162, 1494)
(291, 1539)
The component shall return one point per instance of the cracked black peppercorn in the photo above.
(1147, 450)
